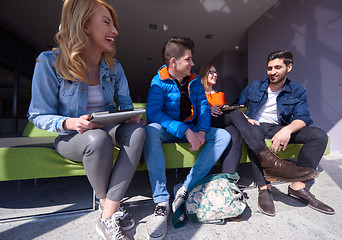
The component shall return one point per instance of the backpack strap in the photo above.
(177, 214)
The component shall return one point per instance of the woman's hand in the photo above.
(215, 111)
(143, 122)
(80, 124)
(136, 120)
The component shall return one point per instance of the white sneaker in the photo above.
(110, 228)
(180, 198)
(127, 221)
(157, 224)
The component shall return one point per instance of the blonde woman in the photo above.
(70, 82)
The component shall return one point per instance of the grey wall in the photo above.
(232, 68)
(312, 30)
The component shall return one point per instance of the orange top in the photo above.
(217, 98)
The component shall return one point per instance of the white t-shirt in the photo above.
(269, 112)
(95, 99)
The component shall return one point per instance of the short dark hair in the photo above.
(281, 54)
(175, 47)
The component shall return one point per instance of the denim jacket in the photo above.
(55, 99)
(291, 101)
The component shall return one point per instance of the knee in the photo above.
(140, 133)
(319, 135)
(98, 140)
(237, 114)
(134, 133)
(258, 133)
(153, 132)
(223, 136)
(235, 134)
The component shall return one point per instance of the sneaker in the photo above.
(127, 221)
(110, 228)
(157, 224)
(180, 198)
(176, 188)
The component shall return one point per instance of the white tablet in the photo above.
(111, 118)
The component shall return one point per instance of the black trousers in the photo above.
(314, 142)
(240, 130)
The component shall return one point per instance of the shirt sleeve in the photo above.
(300, 111)
(43, 111)
(218, 98)
(243, 99)
(204, 113)
(224, 99)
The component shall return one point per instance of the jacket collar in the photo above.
(265, 82)
(104, 68)
(287, 86)
(164, 74)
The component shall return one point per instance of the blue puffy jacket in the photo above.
(163, 104)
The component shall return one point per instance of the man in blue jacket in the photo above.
(278, 109)
(178, 111)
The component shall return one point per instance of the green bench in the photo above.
(33, 156)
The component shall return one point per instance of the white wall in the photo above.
(312, 30)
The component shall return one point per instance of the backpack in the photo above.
(212, 200)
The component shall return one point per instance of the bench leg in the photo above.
(28, 217)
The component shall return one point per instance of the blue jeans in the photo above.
(216, 140)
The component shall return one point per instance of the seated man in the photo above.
(178, 111)
(278, 109)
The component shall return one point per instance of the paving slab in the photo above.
(293, 220)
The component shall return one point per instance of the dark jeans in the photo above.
(240, 130)
(314, 142)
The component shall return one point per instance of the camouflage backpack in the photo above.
(212, 200)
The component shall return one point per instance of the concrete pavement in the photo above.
(293, 219)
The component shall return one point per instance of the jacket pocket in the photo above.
(254, 98)
(290, 101)
(68, 88)
(289, 104)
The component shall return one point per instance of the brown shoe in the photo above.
(283, 170)
(308, 198)
(265, 202)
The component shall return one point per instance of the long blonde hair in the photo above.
(72, 39)
(204, 72)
